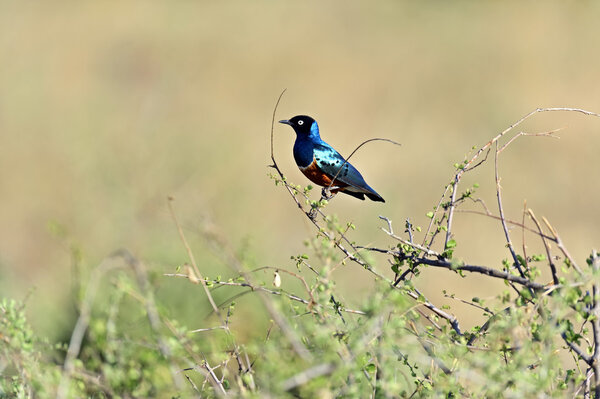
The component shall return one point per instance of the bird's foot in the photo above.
(326, 194)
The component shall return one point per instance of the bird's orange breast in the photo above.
(314, 174)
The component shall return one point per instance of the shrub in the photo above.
(396, 343)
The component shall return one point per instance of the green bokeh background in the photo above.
(107, 108)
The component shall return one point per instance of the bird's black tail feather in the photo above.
(375, 197)
(361, 196)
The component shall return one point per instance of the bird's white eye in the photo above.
(300, 122)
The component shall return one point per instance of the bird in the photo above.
(322, 164)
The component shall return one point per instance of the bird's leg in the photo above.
(327, 194)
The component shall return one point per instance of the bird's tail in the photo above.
(375, 197)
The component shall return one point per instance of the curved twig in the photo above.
(353, 152)
(273, 126)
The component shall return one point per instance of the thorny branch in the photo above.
(546, 246)
(509, 244)
(433, 258)
(353, 152)
(292, 297)
(471, 164)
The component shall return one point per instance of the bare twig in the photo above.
(561, 246)
(273, 126)
(523, 236)
(352, 153)
(508, 221)
(481, 270)
(208, 329)
(432, 220)
(297, 276)
(517, 264)
(548, 253)
(470, 303)
(487, 325)
(409, 230)
(587, 383)
(260, 288)
(194, 387)
(452, 320)
(193, 261)
(468, 165)
(291, 190)
(216, 383)
(390, 232)
(516, 136)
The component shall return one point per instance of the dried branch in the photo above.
(390, 232)
(517, 264)
(481, 270)
(468, 165)
(452, 320)
(193, 260)
(214, 380)
(561, 246)
(273, 127)
(352, 153)
(261, 289)
(511, 222)
(523, 228)
(548, 253)
(430, 257)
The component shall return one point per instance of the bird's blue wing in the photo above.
(330, 161)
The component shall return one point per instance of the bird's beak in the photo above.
(285, 122)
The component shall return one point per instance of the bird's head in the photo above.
(303, 125)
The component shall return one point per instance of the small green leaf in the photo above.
(538, 258)
(370, 368)
(451, 244)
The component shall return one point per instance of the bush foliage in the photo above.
(540, 336)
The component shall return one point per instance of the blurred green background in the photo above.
(107, 108)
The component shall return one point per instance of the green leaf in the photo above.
(370, 368)
(538, 258)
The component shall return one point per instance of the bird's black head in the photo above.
(302, 125)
